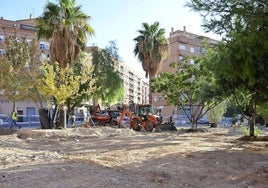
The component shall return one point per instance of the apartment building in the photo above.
(181, 44)
(23, 29)
(136, 87)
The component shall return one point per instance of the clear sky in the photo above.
(118, 20)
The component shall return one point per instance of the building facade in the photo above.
(22, 29)
(181, 44)
(136, 88)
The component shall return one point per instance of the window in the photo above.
(182, 47)
(2, 38)
(160, 98)
(200, 50)
(192, 49)
(191, 61)
(44, 45)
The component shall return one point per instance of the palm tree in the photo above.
(150, 47)
(66, 26)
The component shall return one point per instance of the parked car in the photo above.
(179, 122)
(203, 121)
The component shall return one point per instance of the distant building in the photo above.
(26, 29)
(181, 44)
(136, 88)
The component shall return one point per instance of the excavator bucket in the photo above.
(169, 126)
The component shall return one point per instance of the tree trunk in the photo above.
(251, 126)
(44, 120)
(213, 125)
(60, 119)
(150, 91)
(194, 122)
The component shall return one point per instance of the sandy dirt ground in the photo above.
(118, 158)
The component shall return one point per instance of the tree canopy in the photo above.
(19, 73)
(192, 87)
(109, 85)
(150, 47)
(67, 28)
(240, 60)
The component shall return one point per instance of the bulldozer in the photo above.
(142, 118)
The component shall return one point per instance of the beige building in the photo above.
(22, 28)
(181, 44)
(136, 87)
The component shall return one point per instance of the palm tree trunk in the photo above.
(150, 91)
(44, 120)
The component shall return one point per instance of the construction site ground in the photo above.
(119, 158)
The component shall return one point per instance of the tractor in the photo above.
(142, 118)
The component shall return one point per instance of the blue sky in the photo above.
(118, 20)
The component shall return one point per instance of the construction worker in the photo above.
(14, 118)
(73, 120)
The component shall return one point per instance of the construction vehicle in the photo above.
(142, 118)
(103, 117)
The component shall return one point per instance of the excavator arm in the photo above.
(124, 113)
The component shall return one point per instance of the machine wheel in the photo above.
(135, 124)
(149, 126)
(112, 123)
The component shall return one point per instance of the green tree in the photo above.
(263, 112)
(240, 60)
(191, 87)
(67, 28)
(20, 84)
(84, 69)
(109, 85)
(150, 48)
(57, 85)
(215, 114)
(112, 49)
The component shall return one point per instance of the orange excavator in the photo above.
(142, 118)
(101, 117)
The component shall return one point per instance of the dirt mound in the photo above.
(254, 139)
(7, 131)
(118, 158)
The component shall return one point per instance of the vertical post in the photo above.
(14, 103)
(64, 118)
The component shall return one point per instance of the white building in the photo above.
(136, 87)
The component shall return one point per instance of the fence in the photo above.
(29, 120)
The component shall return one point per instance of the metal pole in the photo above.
(64, 118)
